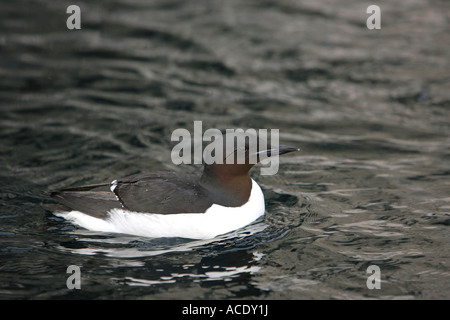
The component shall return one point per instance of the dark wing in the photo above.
(95, 200)
(161, 192)
(156, 192)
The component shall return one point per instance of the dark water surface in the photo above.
(369, 109)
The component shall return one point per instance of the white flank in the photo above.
(215, 221)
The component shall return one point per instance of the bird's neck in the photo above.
(229, 190)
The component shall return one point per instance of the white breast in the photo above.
(215, 221)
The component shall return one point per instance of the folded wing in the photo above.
(156, 192)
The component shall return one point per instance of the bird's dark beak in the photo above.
(278, 150)
(282, 149)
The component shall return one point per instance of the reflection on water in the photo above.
(131, 247)
(369, 110)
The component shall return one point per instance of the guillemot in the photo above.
(164, 204)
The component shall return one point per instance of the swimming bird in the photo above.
(165, 204)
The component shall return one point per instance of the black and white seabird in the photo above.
(165, 204)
